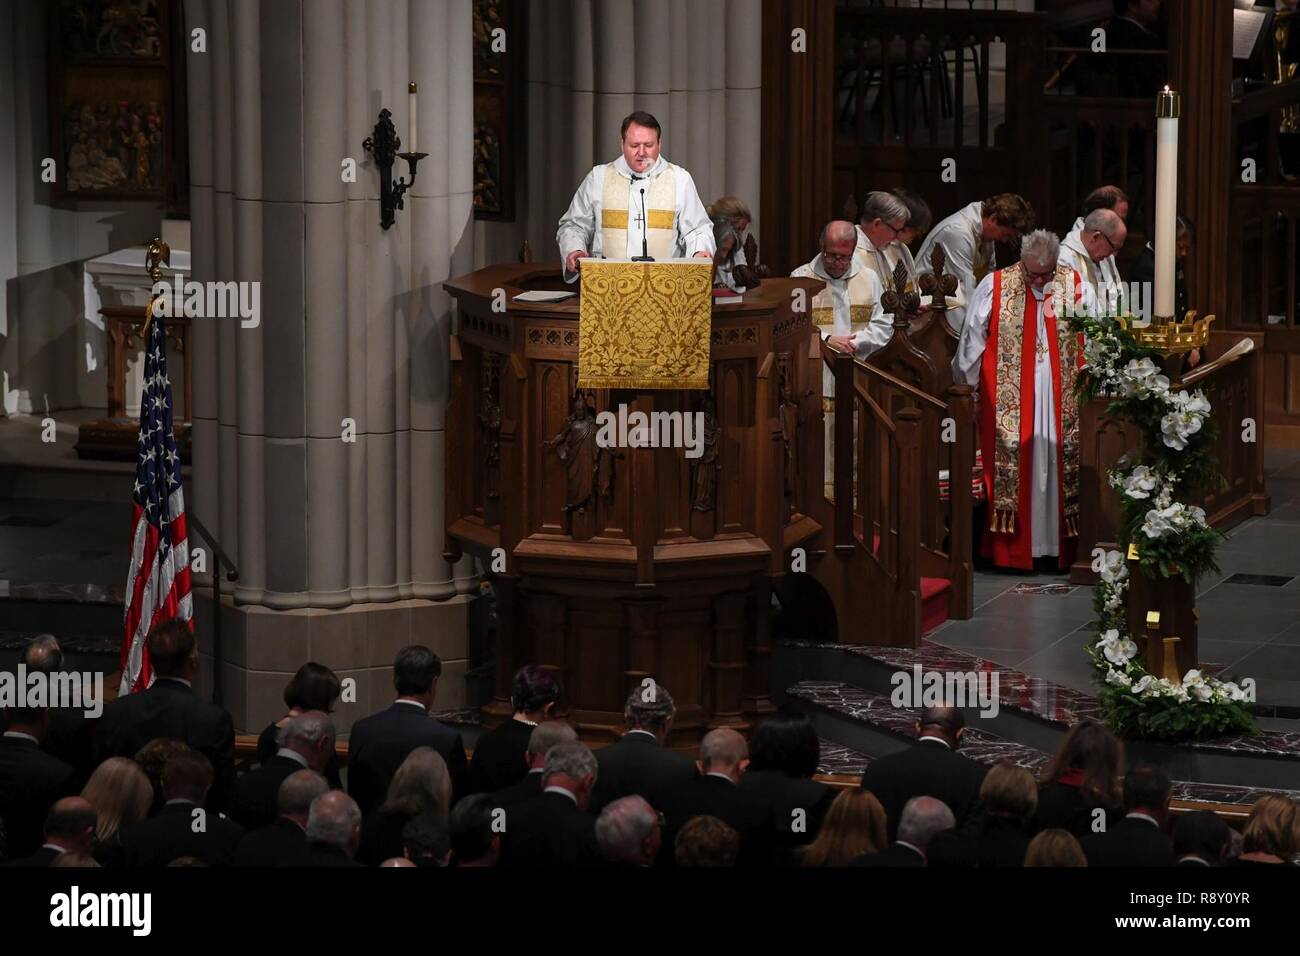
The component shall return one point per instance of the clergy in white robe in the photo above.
(847, 313)
(1089, 249)
(1017, 351)
(968, 236)
(884, 218)
(638, 204)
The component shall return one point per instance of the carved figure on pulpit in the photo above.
(704, 470)
(489, 418)
(787, 410)
(575, 444)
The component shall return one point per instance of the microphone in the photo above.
(645, 225)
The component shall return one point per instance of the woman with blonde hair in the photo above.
(854, 825)
(421, 785)
(731, 218)
(121, 794)
(1055, 847)
(1272, 834)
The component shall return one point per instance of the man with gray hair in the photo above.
(554, 829)
(544, 736)
(67, 737)
(922, 819)
(286, 838)
(629, 832)
(333, 830)
(883, 219)
(308, 745)
(1016, 349)
(1090, 250)
(640, 761)
(724, 755)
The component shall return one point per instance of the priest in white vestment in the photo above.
(1090, 250)
(968, 236)
(638, 204)
(1017, 351)
(883, 219)
(847, 313)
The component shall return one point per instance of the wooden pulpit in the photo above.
(611, 565)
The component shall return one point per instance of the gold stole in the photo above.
(661, 203)
(1010, 318)
(861, 304)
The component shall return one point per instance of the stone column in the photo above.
(318, 434)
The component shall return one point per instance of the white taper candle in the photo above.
(1168, 107)
(411, 89)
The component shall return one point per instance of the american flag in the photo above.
(158, 583)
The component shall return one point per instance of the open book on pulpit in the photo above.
(645, 324)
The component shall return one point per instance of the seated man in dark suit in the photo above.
(308, 745)
(379, 743)
(69, 828)
(499, 755)
(922, 818)
(1139, 839)
(30, 779)
(554, 829)
(544, 736)
(286, 838)
(169, 708)
(629, 832)
(639, 763)
(724, 755)
(1201, 838)
(333, 831)
(930, 768)
(68, 737)
(475, 840)
(183, 827)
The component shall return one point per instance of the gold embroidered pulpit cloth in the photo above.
(645, 324)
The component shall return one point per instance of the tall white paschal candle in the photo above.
(1168, 107)
(411, 89)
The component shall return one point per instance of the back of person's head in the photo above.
(548, 734)
(785, 742)
(1202, 834)
(649, 707)
(310, 734)
(1011, 211)
(574, 761)
(415, 670)
(426, 840)
(1009, 791)
(941, 721)
(729, 207)
(921, 819)
(43, 653)
(335, 820)
(171, 648)
(723, 751)
(313, 687)
(706, 841)
(421, 784)
(1146, 788)
(187, 776)
(625, 831)
(473, 839)
(1104, 197)
(1095, 752)
(919, 217)
(297, 791)
(121, 794)
(1273, 827)
(153, 758)
(533, 688)
(951, 848)
(854, 825)
(1055, 847)
(71, 824)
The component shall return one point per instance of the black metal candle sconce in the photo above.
(383, 144)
